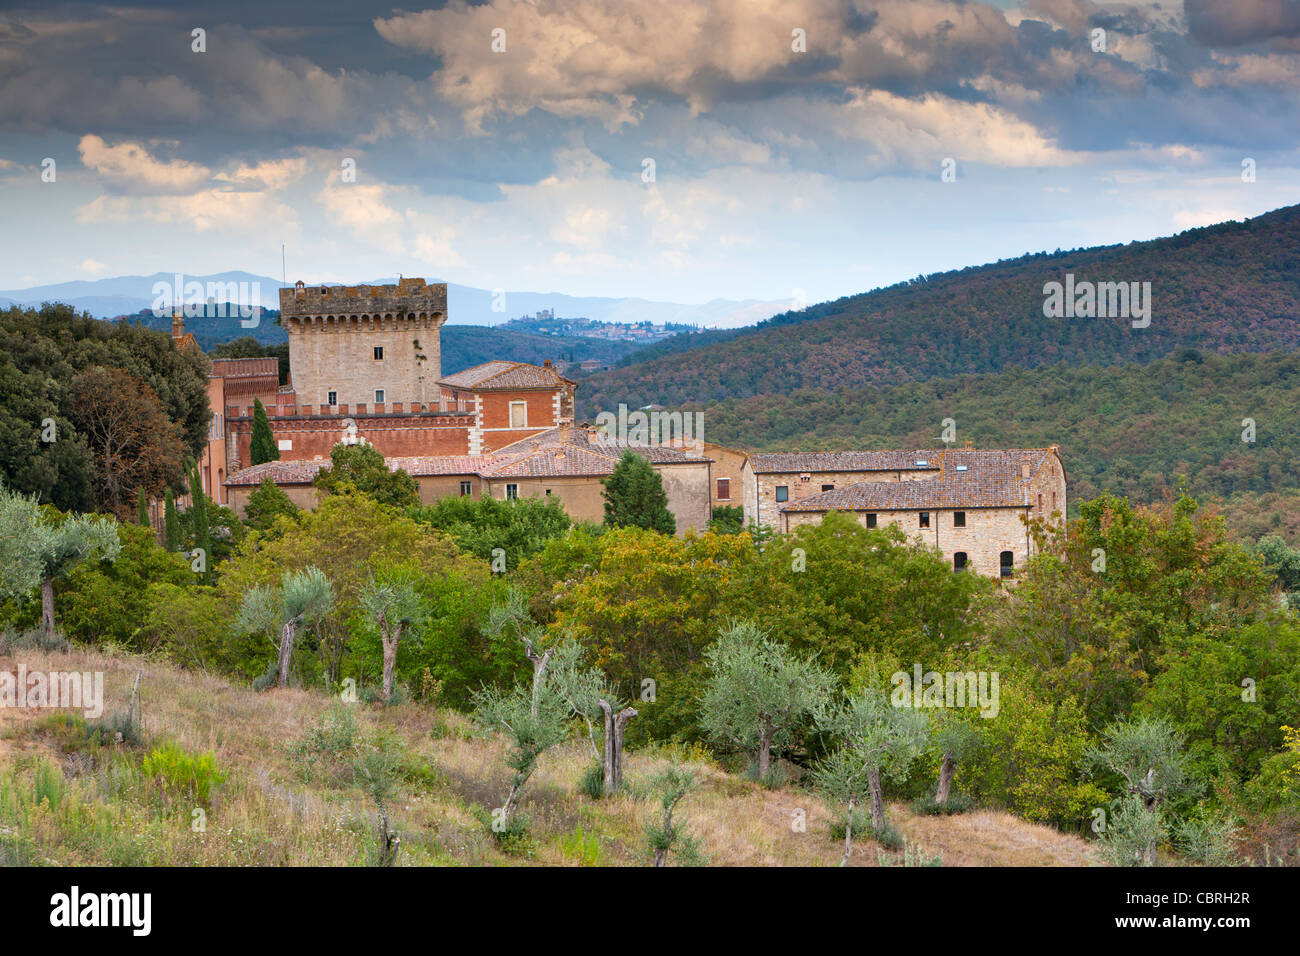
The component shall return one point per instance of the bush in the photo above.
(335, 735)
(926, 807)
(592, 782)
(34, 639)
(181, 774)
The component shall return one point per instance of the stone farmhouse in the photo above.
(365, 367)
(968, 503)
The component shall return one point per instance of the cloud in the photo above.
(91, 267)
(131, 168)
(1215, 23)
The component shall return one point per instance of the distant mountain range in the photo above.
(126, 295)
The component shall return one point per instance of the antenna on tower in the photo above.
(284, 272)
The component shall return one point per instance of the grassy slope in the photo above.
(265, 814)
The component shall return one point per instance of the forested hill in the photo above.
(1233, 287)
(1132, 430)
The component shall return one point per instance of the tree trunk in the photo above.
(661, 857)
(614, 724)
(287, 635)
(947, 770)
(47, 606)
(848, 836)
(877, 800)
(765, 752)
(390, 639)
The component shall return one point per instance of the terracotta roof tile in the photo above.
(500, 374)
(798, 462)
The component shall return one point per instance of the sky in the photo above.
(683, 151)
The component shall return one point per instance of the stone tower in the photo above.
(365, 345)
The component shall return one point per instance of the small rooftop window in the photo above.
(963, 467)
(922, 461)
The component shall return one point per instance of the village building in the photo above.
(565, 464)
(973, 505)
(365, 368)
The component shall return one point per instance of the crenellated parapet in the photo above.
(412, 303)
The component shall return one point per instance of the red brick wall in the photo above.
(541, 408)
(392, 435)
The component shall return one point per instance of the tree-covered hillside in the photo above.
(1229, 288)
(1129, 429)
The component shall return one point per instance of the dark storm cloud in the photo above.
(1215, 23)
(368, 79)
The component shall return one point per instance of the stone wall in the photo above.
(333, 333)
(988, 532)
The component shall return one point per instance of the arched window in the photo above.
(1008, 562)
(959, 561)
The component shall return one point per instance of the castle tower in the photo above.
(365, 345)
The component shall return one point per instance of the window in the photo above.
(379, 396)
(379, 353)
(921, 463)
(1040, 501)
(465, 488)
(871, 519)
(512, 491)
(1008, 562)
(963, 467)
(959, 561)
(333, 399)
(518, 414)
(959, 519)
(1053, 500)
(782, 493)
(724, 489)
(284, 444)
(828, 487)
(925, 519)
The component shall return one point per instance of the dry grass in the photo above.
(268, 813)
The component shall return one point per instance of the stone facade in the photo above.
(367, 345)
(972, 506)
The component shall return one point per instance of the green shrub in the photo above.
(33, 639)
(926, 807)
(582, 847)
(183, 775)
(592, 782)
(47, 785)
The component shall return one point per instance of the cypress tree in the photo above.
(635, 497)
(199, 507)
(262, 447)
(171, 523)
(142, 509)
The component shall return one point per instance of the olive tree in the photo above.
(875, 739)
(36, 549)
(303, 597)
(391, 600)
(758, 692)
(1147, 754)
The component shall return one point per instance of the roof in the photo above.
(585, 438)
(798, 462)
(280, 472)
(990, 492)
(966, 478)
(498, 374)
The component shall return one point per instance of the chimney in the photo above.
(178, 325)
(546, 363)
